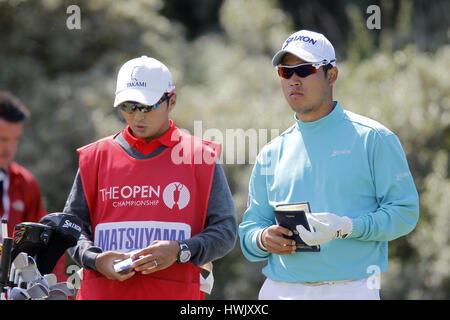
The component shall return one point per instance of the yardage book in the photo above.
(289, 216)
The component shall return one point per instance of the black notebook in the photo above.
(289, 216)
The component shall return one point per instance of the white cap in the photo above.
(143, 80)
(307, 45)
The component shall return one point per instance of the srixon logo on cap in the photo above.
(299, 38)
(134, 79)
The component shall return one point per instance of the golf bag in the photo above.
(30, 256)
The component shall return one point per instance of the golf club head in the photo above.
(29, 274)
(66, 231)
(38, 291)
(57, 295)
(18, 294)
(51, 279)
(42, 280)
(20, 262)
(65, 287)
(32, 265)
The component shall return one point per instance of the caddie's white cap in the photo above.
(143, 80)
(309, 46)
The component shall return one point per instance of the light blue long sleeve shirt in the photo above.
(344, 164)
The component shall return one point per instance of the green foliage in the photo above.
(225, 81)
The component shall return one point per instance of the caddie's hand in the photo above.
(272, 238)
(328, 227)
(159, 255)
(104, 263)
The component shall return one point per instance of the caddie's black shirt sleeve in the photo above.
(217, 238)
(84, 252)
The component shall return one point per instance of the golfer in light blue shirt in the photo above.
(350, 169)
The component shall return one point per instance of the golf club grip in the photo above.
(6, 259)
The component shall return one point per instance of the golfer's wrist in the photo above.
(259, 240)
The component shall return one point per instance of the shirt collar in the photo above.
(335, 115)
(166, 139)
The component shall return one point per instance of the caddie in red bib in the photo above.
(144, 208)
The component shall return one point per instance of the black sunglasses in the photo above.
(302, 70)
(131, 107)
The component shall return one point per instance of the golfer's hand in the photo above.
(328, 227)
(273, 240)
(160, 255)
(104, 263)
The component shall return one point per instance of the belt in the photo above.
(320, 283)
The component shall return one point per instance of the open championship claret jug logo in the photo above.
(176, 196)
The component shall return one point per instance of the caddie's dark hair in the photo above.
(326, 68)
(11, 109)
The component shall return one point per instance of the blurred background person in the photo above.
(20, 196)
(19, 192)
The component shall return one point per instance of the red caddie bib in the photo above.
(133, 202)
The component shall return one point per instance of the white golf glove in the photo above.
(328, 227)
